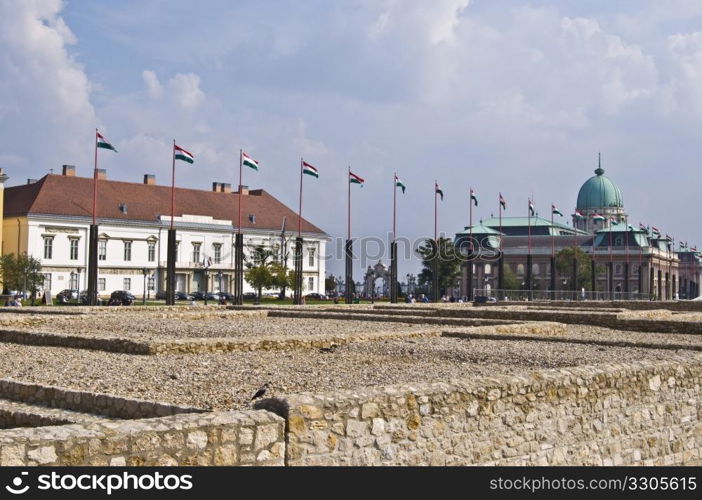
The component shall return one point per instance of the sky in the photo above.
(507, 95)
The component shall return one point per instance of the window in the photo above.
(101, 284)
(618, 269)
(127, 284)
(48, 246)
(312, 257)
(127, 252)
(102, 250)
(487, 269)
(618, 241)
(151, 283)
(74, 249)
(152, 251)
(196, 252)
(217, 247)
(534, 269)
(310, 283)
(47, 281)
(73, 283)
(520, 268)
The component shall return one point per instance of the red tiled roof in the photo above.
(73, 196)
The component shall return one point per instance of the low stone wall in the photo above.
(201, 345)
(221, 438)
(89, 402)
(672, 305)
(644, 413)
(396, 317)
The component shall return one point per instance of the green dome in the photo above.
(599, 192)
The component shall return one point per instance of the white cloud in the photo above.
(153, 86)
(182, 89)
(44, 92)
(683, 91)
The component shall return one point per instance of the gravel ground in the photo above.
(152, 326)
(227, 381)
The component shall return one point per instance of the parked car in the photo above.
(122, 297)
(316, 296)
(161, 295)
(184, 296)
(65, 296)
(84, 298)
(213, 296)
(250, 296)
(226, 295)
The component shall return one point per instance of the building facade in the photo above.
(628, 262)
(50, 219)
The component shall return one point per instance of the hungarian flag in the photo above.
(629, 227)
(309, 169)
(555, 211)
(247, 161)
(102, 142)
(182, 154)
(354, 179)
(400, 184)
(437, 190)
(655, 230)
(579, 214)
(531, 209)
(613, 221)
(694, 249)
(473, 198)
(502, 202)
(642, 227)
(597, 216)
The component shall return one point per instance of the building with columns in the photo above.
(49, 218)
(626, 261)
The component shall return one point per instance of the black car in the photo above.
(122, 297)
(226, 295)
(183, 296)
(250, 296)
(316, 296)
(65, 296)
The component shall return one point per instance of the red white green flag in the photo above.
(102, 142)
(247, 161)
(555, 211)
(579, 214)
(400, 184)
(309, 169)
(182, 154)
(597, 216)
(438, 190)
(531, 208)
(355, 179)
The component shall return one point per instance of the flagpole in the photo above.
(470, 218)
(241, 154)
(95, 179)
(500, 212)
(435, 211)
(394, 206)
(348, 181)
(299, 212)
(173, 184)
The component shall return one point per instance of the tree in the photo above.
(564, 264)
(448, 263)
(260, 267)
(330, 285)
(21, 272)
(509, 279)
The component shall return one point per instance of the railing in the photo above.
(500, 295)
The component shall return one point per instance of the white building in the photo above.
(49, 219)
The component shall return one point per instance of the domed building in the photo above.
(598, 196)
(626, 262)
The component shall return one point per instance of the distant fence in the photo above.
(500, 295)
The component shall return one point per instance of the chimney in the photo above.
(226, 187)
(244, 190)
(215, 187)
(31, 181)
(69, 170)
(150, 179)
(101, 174)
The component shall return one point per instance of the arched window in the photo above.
(534, 269)
(618, 269)
(520, 268)
(488, 269)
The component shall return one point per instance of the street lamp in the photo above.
(78, 283)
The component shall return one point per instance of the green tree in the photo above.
(509, 280)
(330, 285)
(564, 264)
(261, 272)
(448, 260)
(21, 272)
